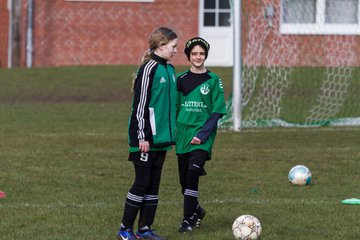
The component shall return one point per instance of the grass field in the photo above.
(64, 168)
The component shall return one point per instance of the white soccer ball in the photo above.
(246, 227)
(300, 175)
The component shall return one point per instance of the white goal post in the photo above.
(296, 64)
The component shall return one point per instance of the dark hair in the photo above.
(196, 41)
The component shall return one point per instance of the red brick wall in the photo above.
(4, 27)
(293, 50)
(91, 33)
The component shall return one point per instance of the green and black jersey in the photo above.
(153, 115)
(199, 96)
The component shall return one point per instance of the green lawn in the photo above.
(64, 168)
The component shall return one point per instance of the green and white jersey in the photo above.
(199, 95)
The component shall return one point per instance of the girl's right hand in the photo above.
(144, 146)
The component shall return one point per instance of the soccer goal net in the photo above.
(299, 64)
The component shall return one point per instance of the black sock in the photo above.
(132, 206)
(148, 210)
(190, 203)
(191, 195)
(198, 209)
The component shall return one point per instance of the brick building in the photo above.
(90, 33)
(4, 24)
(101, 32)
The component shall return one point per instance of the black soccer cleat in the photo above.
(198, 216)
(185, 227)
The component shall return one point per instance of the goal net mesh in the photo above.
(298, 68)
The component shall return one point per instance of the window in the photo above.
(300, 11)
(320, 17)
(341, 11)
(217, 13)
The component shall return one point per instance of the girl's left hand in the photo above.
(195, 140)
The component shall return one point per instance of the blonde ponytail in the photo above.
(159, 37)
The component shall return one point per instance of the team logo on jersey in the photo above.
(162, 80)
(205, 89)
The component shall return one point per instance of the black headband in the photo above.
(196, 41)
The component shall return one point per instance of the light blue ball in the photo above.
(300, 175)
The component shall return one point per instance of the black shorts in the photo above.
(194, 160)
(152, 158)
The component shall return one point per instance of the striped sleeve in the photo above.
(144, 99)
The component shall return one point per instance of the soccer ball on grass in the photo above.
(246, 227)
(300, 175)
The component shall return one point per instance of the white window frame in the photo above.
(217, 12)
(320, 27)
